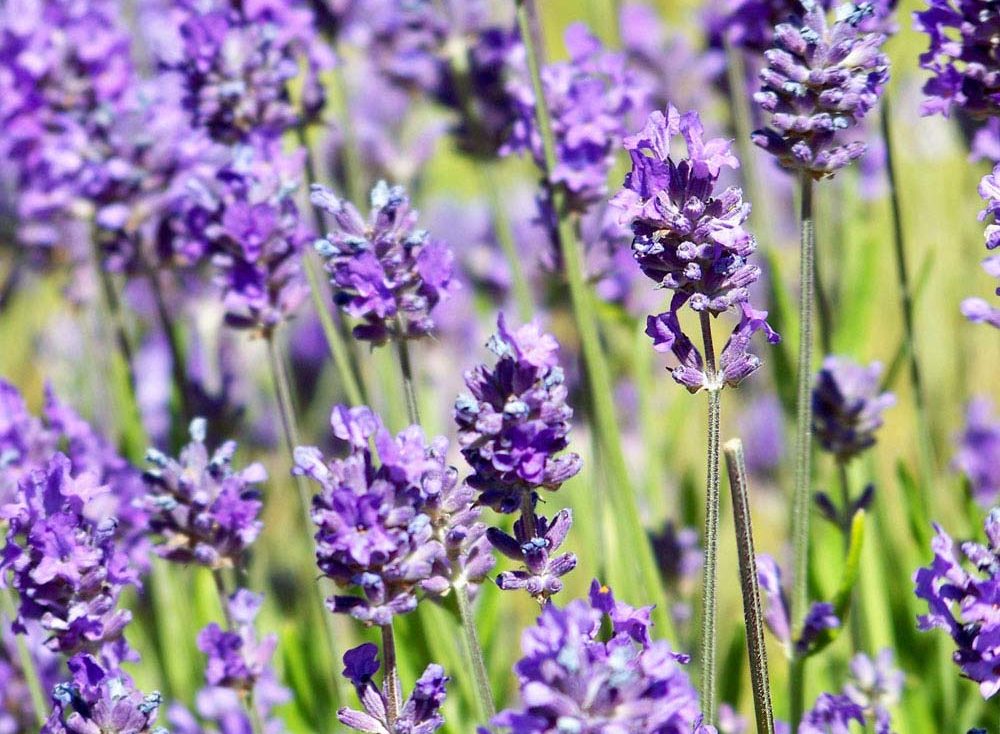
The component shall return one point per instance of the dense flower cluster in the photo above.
(978, 309)
(847, 406)
(101, 699)
(384, 271)
(590, 98)
(978, 455)
(419, 714)
(691, 240)
(819, 618)
(236, 658)
(573, 679)
(203, 510)
(820, 80)
(750, 24)
(535, 548)
(64, 562)
(964, 603)
(374, 518)
(514, 422)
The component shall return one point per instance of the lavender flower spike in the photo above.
(236, 658)
(542, 569)
(515, 422)
(978, 455)
(848, 406)
(384, 271)
(964, 602)
(820, 80)
(977, 309)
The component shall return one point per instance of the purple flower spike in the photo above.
(847, 406)
(542, 568)
(204, 511)
(236, 658)
(978, 455)
(831, 715)
(64, 562)
(821, 80)
(572, 678)
(515, 422)
(976, 309)
(964, 603)
(420, 713)
(876, 686)
(384, 271)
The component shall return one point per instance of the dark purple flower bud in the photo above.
(203, 510)
(964, 602)
(361, 664)
(573, 679)
(978, 455)
(384, 271)
(542, 568)
(820, 80)
(514, 425)
(847, 405)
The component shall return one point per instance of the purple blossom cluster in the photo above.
(750, 24)
(534, 545)
(978, 454)
(236, 659)
(201, 508)
(821, 80)
(819, 618)
(419, 714)
(690, 239)
(572, 678)
(375, 518)
(514, 423)
(848, 403)
(875, 686)
(964, 602)
(977, 309)
(590, 99)
(384, 271)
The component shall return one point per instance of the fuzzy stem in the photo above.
(409, 389)
(479, 672)
(711, 540)
(753, 614)
(608, 436)
(27, 661)
(803, 442)
(390, 681)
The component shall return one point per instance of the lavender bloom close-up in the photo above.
(978, 454)
(964, 603)
(542, 569)
(573, 679)
(514, 424)
(819, 618)
(977, 309)
(820, 80)
(847, 406)
(876, 686)
(831, 715)
(236, 659)
(384, 271)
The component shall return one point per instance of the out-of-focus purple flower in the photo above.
(819, 618)
(761, 424)
(978, 455)
(847, 405)
(64, 562)
(831, 715)
(820, 80)
(731, 722)
(17, 712)
(960, 57)
(964, 603)
(419, 714)
(876, 686)
(100, 699)
(679, 556)
(389, 520)
(514, 424)
(590, 98)
(750, 24)
(572, 678)
(236, 659)
(204, 511)
(977, 309)
(223, 711)
(384, 271)
(542, 568)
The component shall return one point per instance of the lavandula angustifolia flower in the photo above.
(964, 603)
(64, 563)
(384, 271)
(977, 309)
(819, 618)
(680, 559)
(978, 455)
(101, 699)
(203, 510)
(832, 714)
(875, 686)
(534, 543)
(573, 678)
(236, 659)
(420, 713)
(820, 80)
(848, 403)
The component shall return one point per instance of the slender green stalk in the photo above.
(28, 667)
(409, 389)
(796, 691)
(855, 620)
(709, 684)
(479, 673)
(753, 614)
(390, 680)
(598, 378)
(803, 439)
(353, 168)
(178, 357)
(505, 236)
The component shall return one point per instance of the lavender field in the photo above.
(499, 366)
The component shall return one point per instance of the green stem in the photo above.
(479, 673)
(505, 236)
(28, 667)
(599, 383)
(796, 691)
(753, 614)
(409, 389)
(803, 442)
(855, 619)
(709, 684)
(390, 680)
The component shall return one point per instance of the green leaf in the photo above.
(848, 580)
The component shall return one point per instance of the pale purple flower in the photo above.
(847, 404)
(236, 659)
(978, 454)
(819, 618)
(831, 715)
(977, 309)
(876, 686)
